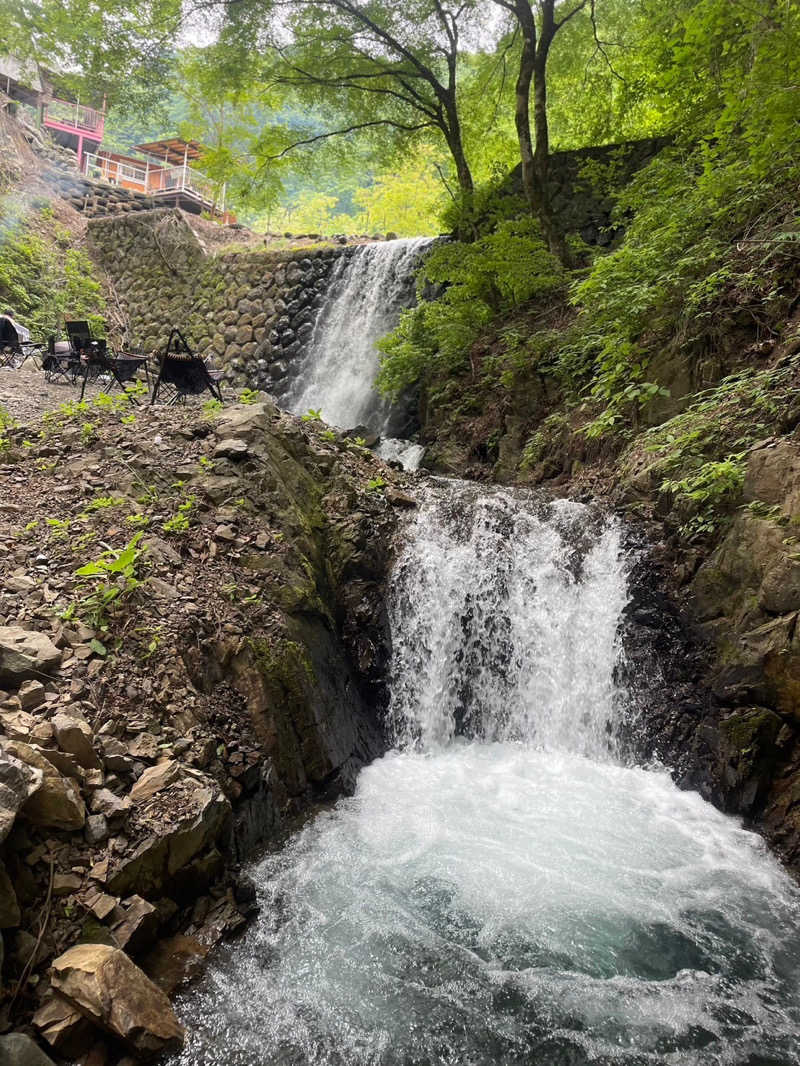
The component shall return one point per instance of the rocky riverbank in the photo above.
(191, 655)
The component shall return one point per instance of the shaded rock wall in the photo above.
(145, 750)
(251, 310)
(720, 702)
(583, 183)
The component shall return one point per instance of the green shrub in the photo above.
(484, 280)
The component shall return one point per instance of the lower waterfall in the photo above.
(504, 888)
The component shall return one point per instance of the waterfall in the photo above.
(503, 888)
(367, 291)
(512, 634)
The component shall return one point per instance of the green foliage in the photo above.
(114, 577)
(44, 276)
(485, 279)
(100, 503)
(375, 484)
(181, 520)
(708, 492)
(312, 415)
(248, 396)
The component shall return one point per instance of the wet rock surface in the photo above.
(715, 648)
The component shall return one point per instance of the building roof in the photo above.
(172, 149)
(119, 157)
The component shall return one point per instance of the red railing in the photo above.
(61, 114)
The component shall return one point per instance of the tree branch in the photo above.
(351, 129)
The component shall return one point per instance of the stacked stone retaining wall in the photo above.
(96, 199)
(252, 311)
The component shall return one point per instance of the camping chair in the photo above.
(31, 350)
(182, 373)
(10, 349)
(60, 362)
(96, 363)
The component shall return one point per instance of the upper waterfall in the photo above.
(367, 291)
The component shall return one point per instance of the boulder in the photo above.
(143, 746)
(56, 803)
(138, 929)
(231, 448)
(18, 782)
(19, 725)
(114, 809)
(96, 830)
(154, 779)
(773, 476)
(159, 858)
(75, 737)
(111, 990)
(247, 421)
(17, 1049)
(31, 695)
(26, 654)
(63, 1026)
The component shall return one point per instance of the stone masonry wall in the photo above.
(250, 310)
(583, 183)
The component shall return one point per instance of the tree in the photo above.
(534, 145)
(387, 65)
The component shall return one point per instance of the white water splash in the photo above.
(504, 623)
(367, 291)
(501, 892)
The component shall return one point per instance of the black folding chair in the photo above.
(96, 363)
(61, 362)
(10, 350)
(181, 373)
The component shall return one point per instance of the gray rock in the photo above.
(96, 829)
(26, 654)
(18, 782)
(231, 448)
(104, 802)
(17, 1049)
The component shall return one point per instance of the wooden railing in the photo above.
(154, 179)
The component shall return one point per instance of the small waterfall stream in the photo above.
(503, 888)
(367, 291)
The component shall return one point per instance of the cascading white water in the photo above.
(502, 889)
(367, 291)
(504, 622)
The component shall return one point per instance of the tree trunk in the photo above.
(535, 160)
(541, 156)
(451, 128)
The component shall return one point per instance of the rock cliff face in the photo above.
(736, 734)
(192, 656)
